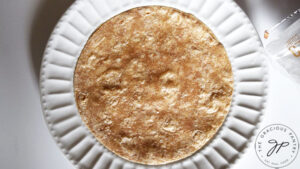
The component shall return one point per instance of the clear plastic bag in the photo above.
(282, 43)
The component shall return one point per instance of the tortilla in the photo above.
(153, 84)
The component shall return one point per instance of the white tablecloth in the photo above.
(25, 26)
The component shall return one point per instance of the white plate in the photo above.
(223, 17)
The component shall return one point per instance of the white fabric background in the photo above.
(25, 26)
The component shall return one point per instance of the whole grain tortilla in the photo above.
(153, 84)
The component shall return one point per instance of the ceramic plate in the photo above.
(231, 27)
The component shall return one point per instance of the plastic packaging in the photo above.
(282, 43)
